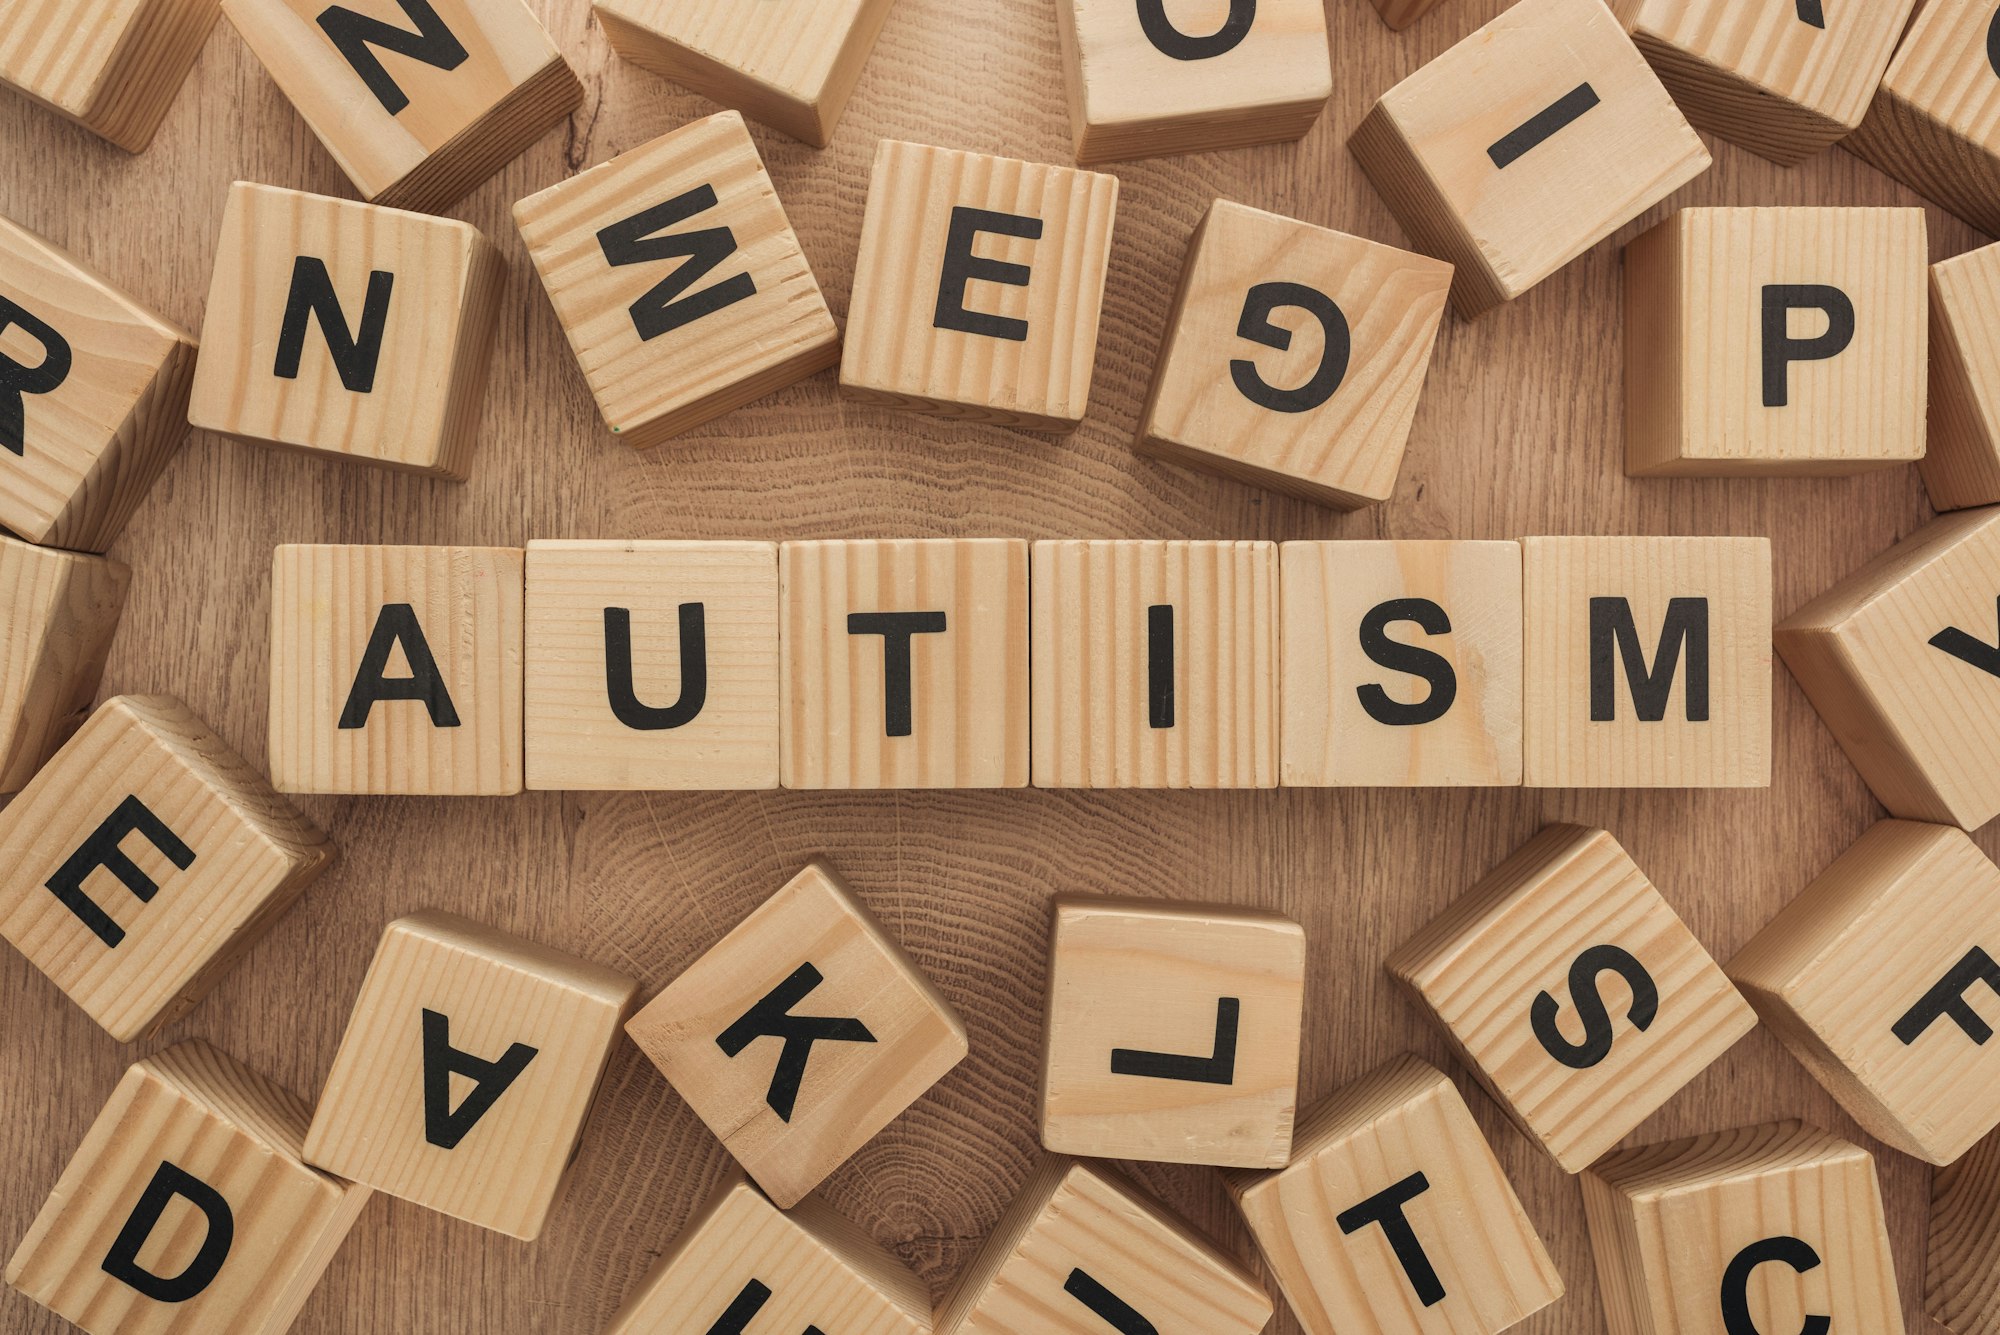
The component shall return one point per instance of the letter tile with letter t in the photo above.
(1962, 1256)
(112, 66)
(58, 614)
(1935, 121)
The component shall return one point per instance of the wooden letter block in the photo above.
(1776, 342)
(620, 246)
(188, 1207)
(1525, 145)
(1155, 664)
(419, 101)
(1172, 1032)
(96, 403)
(905, 663)
(1574, 991)
(1394, 1216)
(467, 1071)
(978, 287)
(1142, 85)
(1647, 662)
(1962, 1260)
(1961, 468)
(1402, 664)
(112, 66)
(1084, 1252)
(396, 670)
(801, 1034)
(1294, 356)
(348, 329)
(1935, 121)
(58, 614)
(1776, 1228)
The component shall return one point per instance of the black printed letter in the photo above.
(1812, 14)
(618, 671)
(102, 849)
(1946, 1001)
(1985, 657)
(961, 266)
(432, 43)
(1686, 627)
(1103, 1302)
(1386, 1208)
(1539, 128)
(1160, 666)
(772, 1018)
(397, 624)
(896, 628)
(1781, 349)
(747, 1303)
(355, 357)
(1216, 1069)
(1597, 1029)
(16, 379)
(1255, 325)
(444, 1127)
(634, 241)
(1736, 1319)
(122, 1261)
(1398, 657)
(1171, 41)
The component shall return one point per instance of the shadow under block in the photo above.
(1294, 356)
(1647, 662)
(419, 101)
(905, 663)
(58, 614)
(678, 280)
(1935, 121)
(1155, 664)
(1760, 1228)
(1400, 14)
(1776, 342)
(1961, 468)
(813, 967)
(112, 66)
(188, 1207)
(1395, 1217)
(102, 390)
(1962, 1258)
(1402, 664)
(397, 670)
(1525, 145)
(1172, 1032)
(978, 287)
(145, 860)
(1084, 1252)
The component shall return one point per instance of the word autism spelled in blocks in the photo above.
(188, 1206)
(112, 66)
(1935, 121)
(1525, 145)
(1961, 468)
(678, 281)
(801, 1034)
(1962, 1260)
(58, 614)
(1294, 356)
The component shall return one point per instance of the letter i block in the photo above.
(1961, 467)
(145, 860)
(801, 1034)
(1172, 1032)
(1394, 1216)
(188, 1206)
(1647, 662)
(1155, 664)
(1935, 121)
(1962, 1261)
(978, 287)
(678, 280)
(1525, 145)
(112, 66)
(58, 614)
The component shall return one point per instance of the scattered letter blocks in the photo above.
(188, 1207)
(1935, 122)
(58, 614)
(1962, 1260)
(678, 280)
(1962, 466)
(112, 66)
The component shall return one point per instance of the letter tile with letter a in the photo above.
(188, 1206)
(1961, 467)
(1525, 145)
(801, 1034)
(1172, 1032)
(58, 614)
(1962, 1258)
(112, 66)
(1575, 992)
(1935, 121)
(467, 1071)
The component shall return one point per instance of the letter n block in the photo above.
(1525, 145)
(1935, 121)
(112, 66)
(188, 1206)
(1962, 1259)
(801, 1034)
(58, 614)
(1961, 468)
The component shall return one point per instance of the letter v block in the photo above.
(112, 66)
(188, 1207)
(58, 614)
(467, 1071)
(801, 1034)
(1962, 1256)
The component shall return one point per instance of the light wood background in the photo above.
(1519, 432)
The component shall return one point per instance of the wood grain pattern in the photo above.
(1935, 120)
(1962, 1267)
(1961, 467)
(58, 614)
(1401, 14)
(112, 66)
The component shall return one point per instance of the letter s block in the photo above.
(1935, 121)
(1962, 1258)
(58, 614)
(112, 66)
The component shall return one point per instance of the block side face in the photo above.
(61, 54)
(1831, 70)
(1941, 74)
(58, 615)
(1961, 468)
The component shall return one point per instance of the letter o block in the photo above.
(1962, 1257)
(1935, 121)
(58, 614)
(1961, 467)
(112, 66)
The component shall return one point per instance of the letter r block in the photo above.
(1935, 121)
(58, 614)
(112, 66)
(1962, 1254)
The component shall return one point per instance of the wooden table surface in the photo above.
(1519, 432)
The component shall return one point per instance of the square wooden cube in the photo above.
(419, 101)
(1172, 1032)
(396, 670)
(1647, 662)
(467, 1071)
(1155, 664)
(1961, 467)
(187, 1207)
(905, 663)
(58, 614)
(1394, 1216)
(1776, 1227)
(1962, 1256)
(1294, 356)
(1934, 123)
(145, 860)
(112, 66)
(1082, 1251)
(1771, 342)
(1574, 992)
(1402, 664)
(678, 280)
(978, 287)
(860, 1034)
(98, 396)
(1525, 145)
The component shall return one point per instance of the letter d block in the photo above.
(1962, 1260)
(1935, 121)
(58, 614)
(112, 66)
(188, 1207)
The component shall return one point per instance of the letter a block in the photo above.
(1961, 468)
(1962, 1259)
(1525, 145)
(188, 1207)
(1935, 121)
(1394, 1216)
(58, 614)
(801, 1034)
(1172, 1032)
(678, 281)
(112, 66)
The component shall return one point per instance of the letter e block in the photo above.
(1961, 468)
(112, 66)
(1962, 1260)
(58, 614)
(1935, 121)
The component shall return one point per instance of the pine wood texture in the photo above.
(1961, 468)
(112, 66)
(1962, 1270)
(58, 614)
(1400, 14)
(1934, 123)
